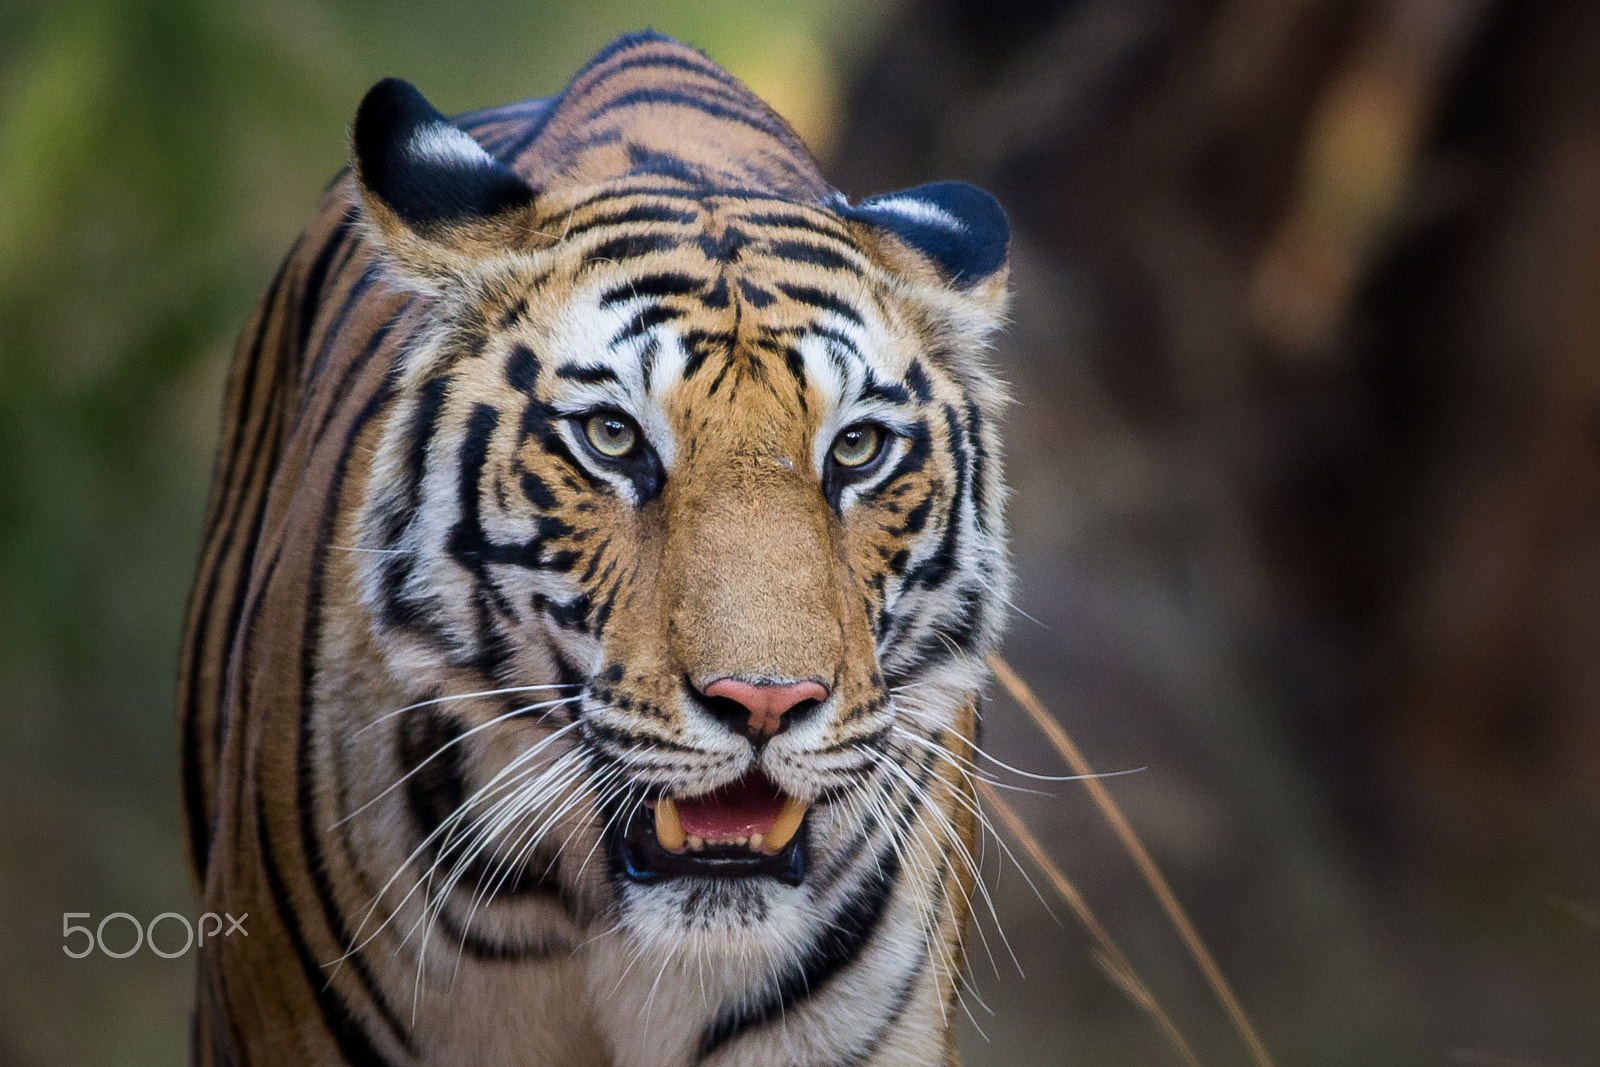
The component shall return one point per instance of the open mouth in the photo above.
(746, 829)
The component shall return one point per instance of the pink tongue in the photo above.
(748, 806)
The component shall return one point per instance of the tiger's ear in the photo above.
(437, 202)
(957, 228)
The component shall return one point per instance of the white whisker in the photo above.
(462, 696)
(512, 714)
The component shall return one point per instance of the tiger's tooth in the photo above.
(787, 823)
(696, 843)
(669, 830)
(756, 840)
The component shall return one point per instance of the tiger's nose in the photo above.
(761, 709)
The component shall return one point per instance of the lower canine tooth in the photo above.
(669, 831)
(787, 823)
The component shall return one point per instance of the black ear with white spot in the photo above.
(428, 173)
(961, 228)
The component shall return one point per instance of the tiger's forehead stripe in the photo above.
(594, 137)
(704, 288)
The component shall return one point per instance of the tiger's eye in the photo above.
(611, 434)
(856, 446)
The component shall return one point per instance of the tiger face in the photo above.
(721, 468)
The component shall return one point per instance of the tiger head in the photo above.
(695, 438)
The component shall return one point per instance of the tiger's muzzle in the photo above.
(771, 649)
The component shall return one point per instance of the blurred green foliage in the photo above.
(156, 159)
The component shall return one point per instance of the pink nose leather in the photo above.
(765, 703)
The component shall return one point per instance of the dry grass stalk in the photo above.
(1136, 851)
(1108, 954)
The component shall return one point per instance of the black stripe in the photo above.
(341, 263)
(424, 425)
(716, 383)
(225, 1041)
(587, 375)
(630, 246)
(638, 213)
(934, 570)
(918, 451)
(522, 369)
(532, 113)
(642, 160)
(567, 615)
(352, 370)
(822, 301)
(347, 251)
(893, 392)
(311, 633)
(646, 319)
(814, 254)
(623, 739)
(221, 531)
(657, 285)
(311, 291)
(838, 342)
(917, 379)
(517, 309)
(962, 627)
(980, 467)
(595, 556)
(906, 986)
(434, 766)
(667, 61)
(538, 492)
(691, 203)
(896, 1009)
(539, 422)
(230, 452)
(607, 602)
(242, 575)
(467, 542)
(828, 876)
(840, 943)
(717, 297)
(730, 108)
(702, 344)
(355, 1044)
(754, 295)
(797, 366)
(647, 360)
(724, 248)
(512, 147)
(330, 336)
(781, 220)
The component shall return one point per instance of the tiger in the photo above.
(585, 658)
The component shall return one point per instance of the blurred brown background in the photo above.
(1306, 456)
